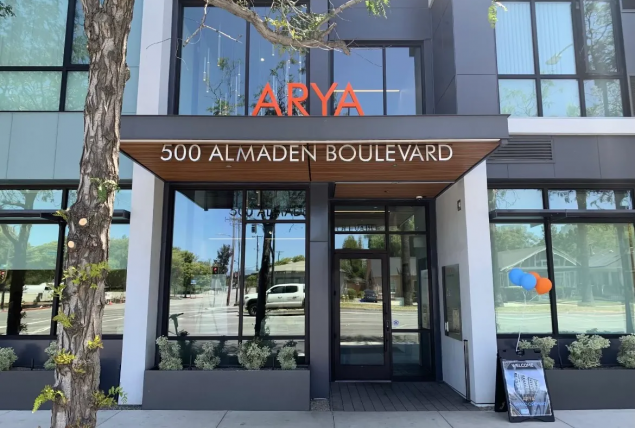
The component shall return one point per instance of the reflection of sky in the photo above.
(516, 199)
(205, 232)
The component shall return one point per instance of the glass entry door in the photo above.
(361, 318)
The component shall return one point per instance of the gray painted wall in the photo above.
(44, 146)
(576, 158)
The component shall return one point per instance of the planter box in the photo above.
(592, 389)
(227, 390)
(18, 388)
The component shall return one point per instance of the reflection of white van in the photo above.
(30, 293)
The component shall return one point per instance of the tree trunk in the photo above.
(406, 278)
(264, 277)
(107, 27)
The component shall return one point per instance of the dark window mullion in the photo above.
(551, 273)
(246, 77)
(534, 36)
(383, 66)
(68, 49)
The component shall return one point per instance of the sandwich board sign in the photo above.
(521, 387)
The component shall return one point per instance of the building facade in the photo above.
(377, 231)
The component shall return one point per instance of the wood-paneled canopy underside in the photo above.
(360, 169)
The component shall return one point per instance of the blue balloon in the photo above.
(528, 281)
(515, 275)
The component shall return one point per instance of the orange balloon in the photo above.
(535, 274)
(543, 286)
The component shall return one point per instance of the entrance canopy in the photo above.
(367, 157)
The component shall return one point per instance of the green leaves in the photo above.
(48, 394)
(5, 10)
(104, 188)
(377, 7)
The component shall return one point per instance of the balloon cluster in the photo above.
(530, 281)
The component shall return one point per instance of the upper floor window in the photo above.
(224, 69)
(558, 60)
(386, 81)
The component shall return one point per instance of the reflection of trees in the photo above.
(16, 250)
(185, 268)
(224, 91)
(603, 98)
(518, 102)
(599, 40)
(280, 76)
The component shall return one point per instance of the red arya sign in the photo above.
(295, 101)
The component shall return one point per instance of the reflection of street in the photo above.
(582, 321)
(38, 321)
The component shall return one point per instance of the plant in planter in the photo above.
(51, 350)
(585, 353)
(7, 358)
(253, 354)
(287, 356)
(207, 359)
(626, 354)
(544, 344)
(169, 354)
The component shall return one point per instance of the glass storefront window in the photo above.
(212, 77)
(79, 52)
(408, 360)
(276, 205)
(593, 266)
(360, 218)
(363, 69)
(30, 90)
(205, 266)
(514, 51)
(407, 219)
(554, 28)
(590, 199)
(603, 98)
(357, 241)
(116, 280)
(403, 81)
(30, 199)
(560, 98)
(519, 246)
(122, 199)
(409, 282)
(518, 97)
(28, 254)
(275, 289)
(76, 90)
(599, 37)
(515, 199)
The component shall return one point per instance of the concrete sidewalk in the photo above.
(192, 419)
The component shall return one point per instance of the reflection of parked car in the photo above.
(283, 296)
(369, 296)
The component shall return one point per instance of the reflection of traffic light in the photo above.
(215, 270)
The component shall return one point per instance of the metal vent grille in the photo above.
(633, 93)
(524, 150)
(628, 4)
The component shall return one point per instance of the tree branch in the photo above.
(319, 40)
(11, 236)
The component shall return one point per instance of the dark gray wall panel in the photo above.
(617, 157)
(476, 94)
(531, 170)
(628, 29)
(576, 157)
(447, 103)
(443, 54)
(436, 12)
(319, 291)
(474, 42)
(497, 170)
(405, 20)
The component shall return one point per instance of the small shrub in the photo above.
(351, 293)
(544, 344)
(286, 356)
(626, 354)
(169, 354)
(7, 358)
(253, 354)
(51, 350)
(207, 359)
(585, 353)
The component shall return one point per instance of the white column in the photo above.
(144, 250)
(142, 285)
(463, 238)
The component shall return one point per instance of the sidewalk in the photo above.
(315, 419)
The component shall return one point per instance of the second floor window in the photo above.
(386, 80)
(556, 59)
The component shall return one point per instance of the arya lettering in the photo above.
(305, 152)
(295, 101)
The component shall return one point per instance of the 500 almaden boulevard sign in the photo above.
(303, 152)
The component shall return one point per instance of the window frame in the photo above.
(174, 91)
(66, 67)
(597, 217)
(59, 264)
(580, 51)
(353, 44)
